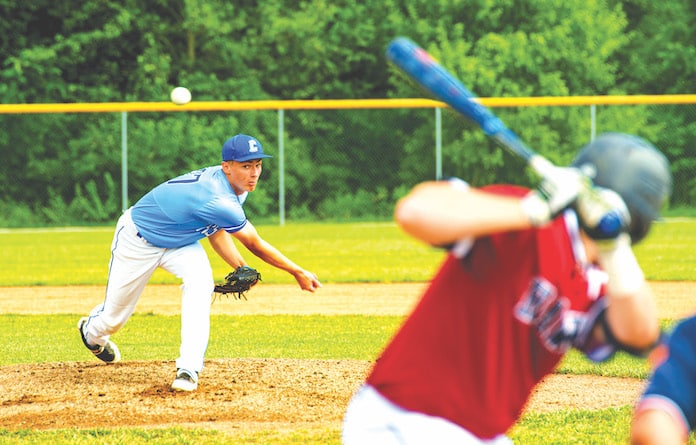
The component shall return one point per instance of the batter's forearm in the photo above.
(440, 214)
(632, 311)
(634, 320)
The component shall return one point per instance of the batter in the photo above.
(528, 275)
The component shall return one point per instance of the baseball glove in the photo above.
(238, 282)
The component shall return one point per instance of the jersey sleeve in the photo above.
(225, 212)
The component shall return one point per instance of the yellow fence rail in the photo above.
(280, 106)
(111, 107)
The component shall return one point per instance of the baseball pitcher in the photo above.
(164, 229)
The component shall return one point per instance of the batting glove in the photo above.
(603, 214)
(558, 190)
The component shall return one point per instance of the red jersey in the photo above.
(495, 320)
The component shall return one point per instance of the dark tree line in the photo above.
(65, 168)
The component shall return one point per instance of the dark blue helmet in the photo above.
(633, 168)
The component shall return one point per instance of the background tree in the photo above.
(659, 58)
(65, 168)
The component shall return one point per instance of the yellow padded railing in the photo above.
(110, 107)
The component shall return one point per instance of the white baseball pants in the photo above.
(371, 419)
(133, 261)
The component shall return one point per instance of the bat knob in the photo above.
(610, 226)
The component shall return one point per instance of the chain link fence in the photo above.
(333, 160)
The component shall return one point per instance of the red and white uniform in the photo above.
(498, 317)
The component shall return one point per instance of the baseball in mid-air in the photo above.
(181, 95)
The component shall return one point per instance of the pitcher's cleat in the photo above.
(185, 380)
(108, 353)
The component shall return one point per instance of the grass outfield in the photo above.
(365, 252)
(338, 253)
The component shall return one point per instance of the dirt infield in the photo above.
(242, 395)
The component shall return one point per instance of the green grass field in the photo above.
(362, 252)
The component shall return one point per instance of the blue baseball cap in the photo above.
(242, 148)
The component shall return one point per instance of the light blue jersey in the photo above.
(185, 209)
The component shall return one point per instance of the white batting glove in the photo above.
(558, 190)
(603, 215)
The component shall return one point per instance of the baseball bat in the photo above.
(436, 80)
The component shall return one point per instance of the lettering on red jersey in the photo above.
(541, 307)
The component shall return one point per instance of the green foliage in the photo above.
(74, 51)
(87, 205)
(498, 54)
(16, 215)
(361, 204)
(657, 58)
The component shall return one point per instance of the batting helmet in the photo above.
(633, 168)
